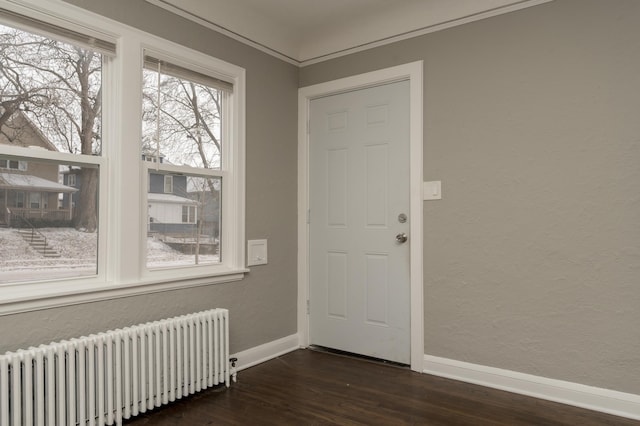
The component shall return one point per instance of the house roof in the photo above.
(31, 183)
(154, 197)
(13, 133)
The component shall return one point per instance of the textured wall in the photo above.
(262, 306)
(532, 258)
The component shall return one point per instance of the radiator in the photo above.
(104, 378)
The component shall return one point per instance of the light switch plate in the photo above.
(256, 252)
(432, 190)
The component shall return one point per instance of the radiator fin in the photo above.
(104, 378)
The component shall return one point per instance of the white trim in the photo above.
(299, 58)
(67, 292)
(413, 72)
(62, 15)
(588, 397)
(121, 271)
(224, 31)
(259, 354)
(29, 154)
(422, 31)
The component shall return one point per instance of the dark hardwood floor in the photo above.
(307, 387)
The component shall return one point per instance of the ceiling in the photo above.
(309, 31)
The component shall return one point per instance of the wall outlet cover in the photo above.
(256, 252)
(432, 190)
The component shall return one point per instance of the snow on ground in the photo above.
(78, 253)
(72, 244)
(161, 255)
(13, 248)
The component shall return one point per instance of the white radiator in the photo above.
(106, 377)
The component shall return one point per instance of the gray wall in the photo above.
(262, 306)
(532, 122)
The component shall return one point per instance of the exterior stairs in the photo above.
(38, 242)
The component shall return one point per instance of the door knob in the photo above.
(401, 238)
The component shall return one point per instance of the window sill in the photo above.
(31, 297)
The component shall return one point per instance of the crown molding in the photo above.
(301, 60)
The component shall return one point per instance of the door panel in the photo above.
(359, 185)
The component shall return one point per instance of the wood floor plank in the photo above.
(313, 388)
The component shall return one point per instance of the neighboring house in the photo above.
(170, 211)
(29, 189)
(174, 209)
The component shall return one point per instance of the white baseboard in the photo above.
(589, 397)
(259, 354)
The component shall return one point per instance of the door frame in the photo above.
(414, 74)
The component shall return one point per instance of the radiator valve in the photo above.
(232, 370)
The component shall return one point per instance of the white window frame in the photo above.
(71, 179)
(124, 177)
(192, 216)
(21, 165)
(168, 184)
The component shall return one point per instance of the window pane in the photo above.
(168, 184)
(39, 236)
(185, 129)
(50, 94)
(34, 200)
(183, 226)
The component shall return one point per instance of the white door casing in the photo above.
(414, 74)
(359, 202)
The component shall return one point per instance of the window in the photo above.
(18, 199)
(13, 164)
(152, 194)
(168, 184)
(34, 200)
(52, 97)
(188, 214)
(183, 117)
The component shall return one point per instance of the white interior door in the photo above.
(359, 275)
